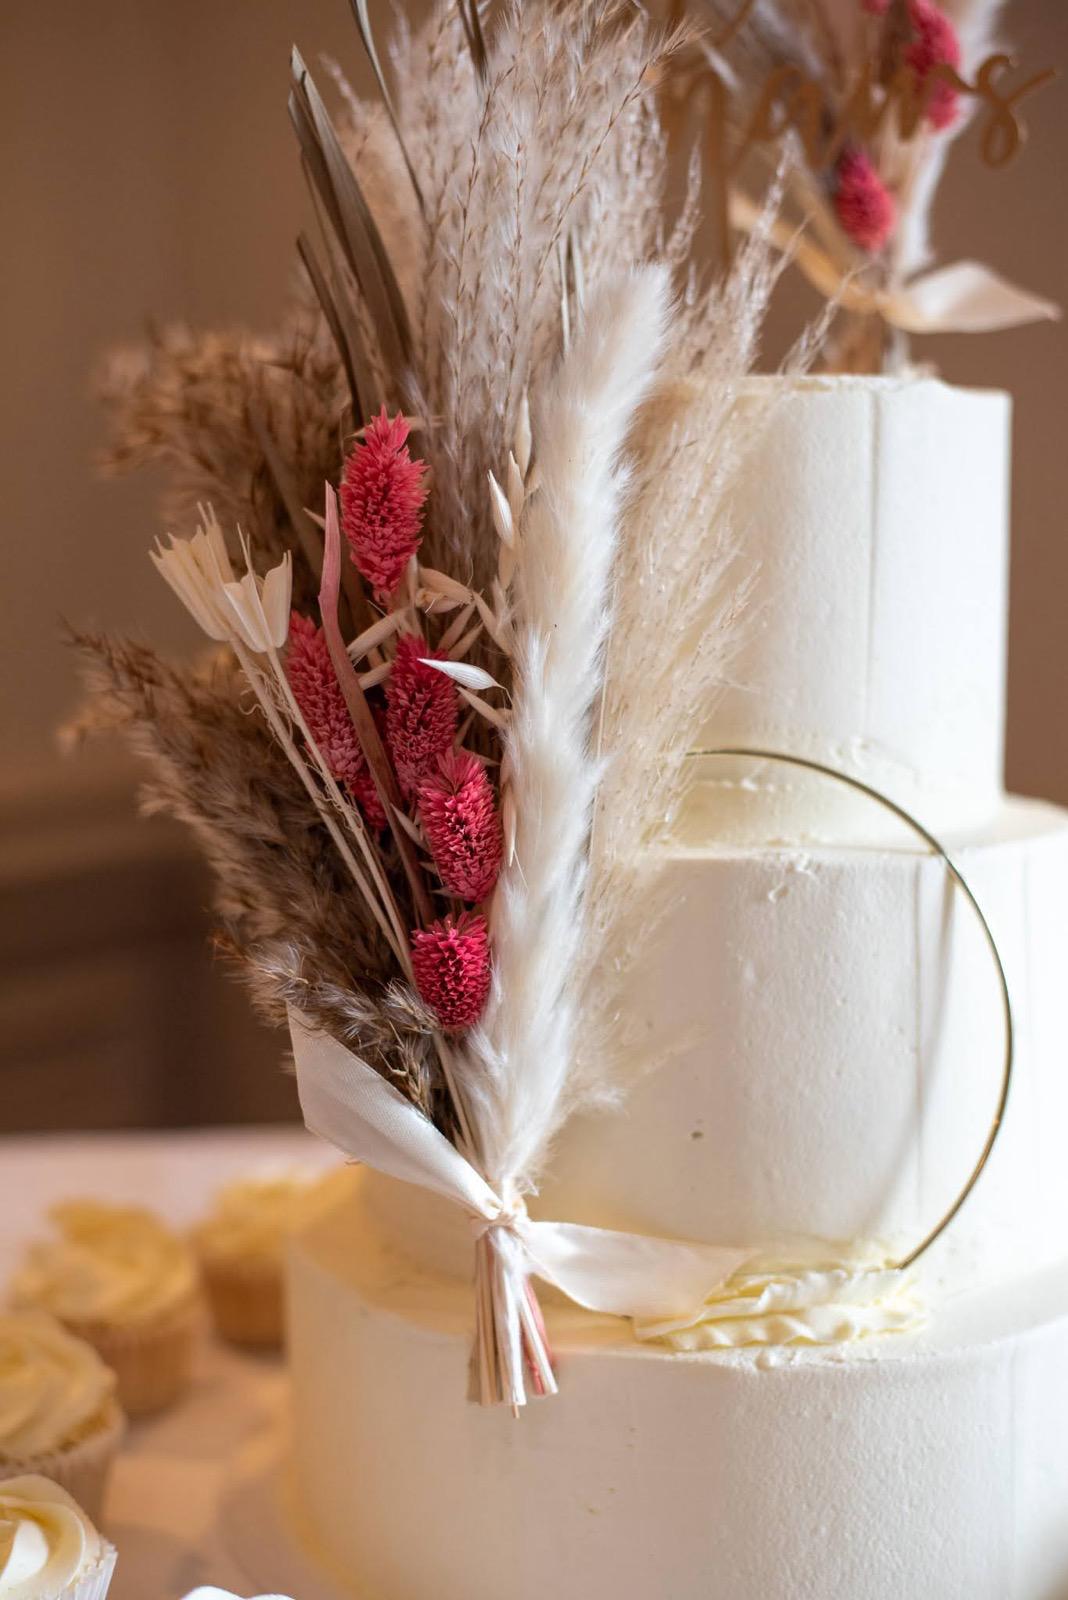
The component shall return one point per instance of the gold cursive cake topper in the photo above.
(885, 91)
(961, 883)
(856, 119)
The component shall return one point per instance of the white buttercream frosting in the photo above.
(107, 1263)
(874, 519)
(52, 1385)
(211, 1593)
(254, 1216)
(48, 1545)
(838, 1303)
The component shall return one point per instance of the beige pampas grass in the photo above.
(190, 402)
(559, 137)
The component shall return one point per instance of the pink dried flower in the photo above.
(864, 205)
(463, 830)
(318, 694)
(934, 44)
(382, 496)
(421, 711)
(451, 962)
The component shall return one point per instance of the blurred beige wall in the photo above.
(148, 170)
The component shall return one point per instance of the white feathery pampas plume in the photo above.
(680, 597)
(519, 1060)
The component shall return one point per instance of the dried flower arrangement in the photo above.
(870, 94)
(446, 721)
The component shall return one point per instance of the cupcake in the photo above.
(59, 1417)
(117, 1277)
(49, 1549)
(241, 1247)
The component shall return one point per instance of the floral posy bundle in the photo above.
(464, 543)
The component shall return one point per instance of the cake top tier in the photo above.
(873, 513)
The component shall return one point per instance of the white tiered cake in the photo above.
(838, 1076)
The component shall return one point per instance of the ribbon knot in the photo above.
(508, 1218)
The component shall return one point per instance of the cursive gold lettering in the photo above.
(1003, 132)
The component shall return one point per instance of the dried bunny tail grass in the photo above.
(195, 404)
(680, 599)
(387, 1026)
(215, 767)
(518, 1063)
(510, 166)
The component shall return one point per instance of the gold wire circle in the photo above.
(962, 884)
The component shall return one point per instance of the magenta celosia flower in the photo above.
(864, 205)
(322, 704)
(463, 830)
(382, 495)
(451, 962)
(421, 712)
(934, 44)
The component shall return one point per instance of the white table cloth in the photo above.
(194, 1496)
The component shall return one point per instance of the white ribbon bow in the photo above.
(624, 1274)
(693, 1296)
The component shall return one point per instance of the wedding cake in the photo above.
(836, 1075)
(599, 757)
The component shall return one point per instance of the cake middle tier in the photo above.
(823, 1036)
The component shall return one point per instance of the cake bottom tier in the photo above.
(929, 1468)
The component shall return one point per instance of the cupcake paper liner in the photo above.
(247, 1301)
(152, 1360)
(81, 1467)
(94, 1584)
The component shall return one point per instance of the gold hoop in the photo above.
(962, 884)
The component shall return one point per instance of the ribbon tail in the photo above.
(627, 1274)
(348, 1104)
(965, 297)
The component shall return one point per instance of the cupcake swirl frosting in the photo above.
(52, 1386)
(254, 1216)
(46, 1541)
(110, 1264)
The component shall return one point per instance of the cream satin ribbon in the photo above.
(965, 297)
(663, 1285)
